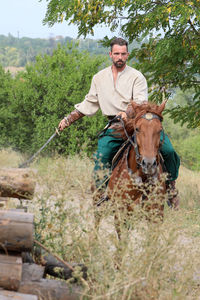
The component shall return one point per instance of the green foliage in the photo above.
(44, 94)
(185, 140)
(9, 56)
(5, 103)
(169, 58)
(190, 153)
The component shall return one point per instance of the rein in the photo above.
(133, 142)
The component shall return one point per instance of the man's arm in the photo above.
(89, 106)
(71, 118)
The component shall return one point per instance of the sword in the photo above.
(26, 163)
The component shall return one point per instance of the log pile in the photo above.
(20, 277)
(17, 183)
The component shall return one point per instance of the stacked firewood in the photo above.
(20, 277)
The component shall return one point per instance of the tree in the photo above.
(42, 95)
(171, 56)
(185, 140)
(5, 102)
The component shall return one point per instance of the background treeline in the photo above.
(34, 101)
(18, 52)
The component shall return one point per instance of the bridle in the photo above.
(133, 139)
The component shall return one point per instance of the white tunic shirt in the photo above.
(112, 98)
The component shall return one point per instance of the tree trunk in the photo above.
(17, 183)
(16, 231)
(51, 289)
(8, 295)
(10, 272)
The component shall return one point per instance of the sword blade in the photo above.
(26, 163)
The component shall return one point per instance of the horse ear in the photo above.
(162, 106)
(135, 105)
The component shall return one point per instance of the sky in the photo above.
(23, 18)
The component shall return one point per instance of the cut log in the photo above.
(17, 183)
(4, 199)
(51, 289)
(16, 231)
(32, 272)
(10, 272)
(8, 295)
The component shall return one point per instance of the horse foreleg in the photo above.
(97, 219)
(96, 211)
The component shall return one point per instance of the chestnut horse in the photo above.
(133, 180)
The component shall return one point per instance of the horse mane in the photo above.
(145, 107)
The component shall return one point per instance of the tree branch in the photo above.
(194, 29)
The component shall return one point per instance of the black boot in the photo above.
(173, 198)
(102, 199)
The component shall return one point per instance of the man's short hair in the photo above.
(118, 41)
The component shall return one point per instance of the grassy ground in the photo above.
(152, 261)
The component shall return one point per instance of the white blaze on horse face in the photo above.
(148, 137)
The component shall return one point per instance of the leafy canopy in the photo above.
(170, 58)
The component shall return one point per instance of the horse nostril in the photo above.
(154, 164)
(143, 163)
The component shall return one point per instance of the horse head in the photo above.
(147, 127)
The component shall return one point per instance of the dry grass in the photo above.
(150, 262)
(9, 158)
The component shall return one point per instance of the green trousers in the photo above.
(108, 145)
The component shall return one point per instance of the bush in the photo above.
(6, 83)
(47, 91)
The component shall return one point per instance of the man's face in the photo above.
(119, 56)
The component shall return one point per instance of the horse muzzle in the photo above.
(149, 165)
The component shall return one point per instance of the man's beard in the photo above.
(119, 64)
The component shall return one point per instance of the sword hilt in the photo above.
(57, 131)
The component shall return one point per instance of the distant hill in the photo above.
(19, 51)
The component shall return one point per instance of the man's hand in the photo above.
(70, 119)
(123, 115)
(63, 124)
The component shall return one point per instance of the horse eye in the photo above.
(137, 129)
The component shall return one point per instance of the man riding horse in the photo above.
(112, 90)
